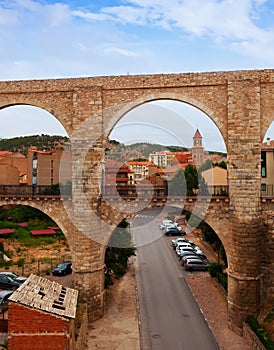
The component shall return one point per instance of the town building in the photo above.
(9, 175)
(46, 168)
(161, 159)
(215, 179)
(41, 316)
(118, 178)
(195, 156)
(9, 161)
(267, 167)
(142, 169)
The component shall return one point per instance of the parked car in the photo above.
(179, 240)
(4, 295)
(185, 249)
(174, 231)
(194, 256)
(166, 222)
(168, 226)
(194, 264)
(8, 283)
(186, 257)
(175, 241)
(63, 269)
(181, 246)
(14, 276)
(198, 251)
(183, 253)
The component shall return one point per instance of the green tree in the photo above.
(120, 248)
(177, 186)
(205, 166)
(222, 164)
(203, 190)
(191, 176)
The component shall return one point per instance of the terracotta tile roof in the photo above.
(5, 153)
(23, 224)
(48, 296)
(43, 232)
(4, 231)
(53, 227)
(141, 163)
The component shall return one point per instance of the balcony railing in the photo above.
(34, 191)
(267, 191)
(158, 191)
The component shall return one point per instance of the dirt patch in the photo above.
(119, 328)
(37, 260)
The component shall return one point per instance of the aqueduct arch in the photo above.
(241, 104)
(53, 209)
(112, 116)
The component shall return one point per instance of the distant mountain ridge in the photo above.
(41, 142)
(119, 151)
(114, 150)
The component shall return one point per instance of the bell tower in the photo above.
(198, 149)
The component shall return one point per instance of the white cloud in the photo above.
(149, 36)
(122, 52)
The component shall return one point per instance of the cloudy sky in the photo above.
(54, 39)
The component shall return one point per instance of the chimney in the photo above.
(268, 141)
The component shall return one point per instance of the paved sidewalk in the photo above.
(213, 303)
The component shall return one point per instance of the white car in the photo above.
(198, 251)
(185, 249)
(181, 247)
(168, 226)
(165, 223)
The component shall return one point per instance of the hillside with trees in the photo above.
(116, 150)
(41, 142)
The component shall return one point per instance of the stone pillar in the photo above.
(244, 164)
(87, 155)
(89, 275)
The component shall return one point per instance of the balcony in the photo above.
(35, 191)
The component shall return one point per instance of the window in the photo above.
(263, 163)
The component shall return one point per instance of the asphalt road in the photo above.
(169, 315)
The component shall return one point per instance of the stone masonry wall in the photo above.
(240, 103)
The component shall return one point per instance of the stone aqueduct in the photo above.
(241, 103)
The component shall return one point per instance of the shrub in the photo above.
(9, 253)
(20, 262)
(119, 249)
(259, 331)
(222, 279)
(215, 268)
(5, 263)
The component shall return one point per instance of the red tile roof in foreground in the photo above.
(4, 231)
(23, 224)
(43, 232)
